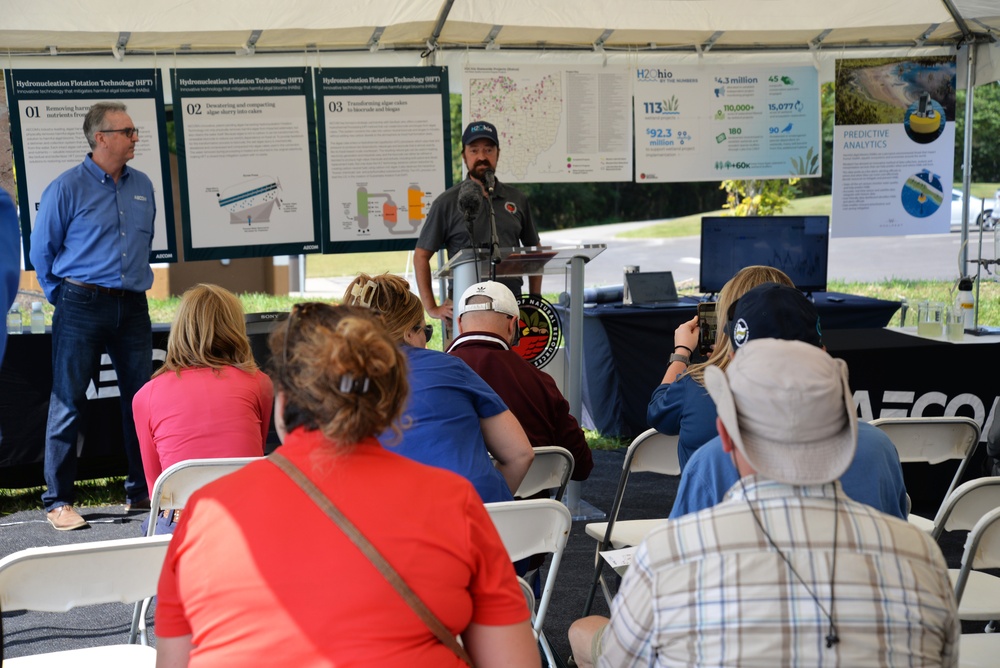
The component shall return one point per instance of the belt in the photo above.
(114, 292)
(173, 515)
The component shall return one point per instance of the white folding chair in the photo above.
(932, 440)
(550, 469)
(172, 489)
(650, 452)
(966, 505)
(60, 578)
(978, 593)
(534, 526)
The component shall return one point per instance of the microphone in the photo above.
(491, 180)
(470, 199)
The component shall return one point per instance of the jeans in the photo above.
(86, 324)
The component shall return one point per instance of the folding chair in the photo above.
(651, 452)
(932, 440)
(534, 526)
(550, 469)
(172, 489)
(60, 578)
(978, 593)
(966, 505)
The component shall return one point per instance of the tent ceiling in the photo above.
(199, 26)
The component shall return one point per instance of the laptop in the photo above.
(652, 288)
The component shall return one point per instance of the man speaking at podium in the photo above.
(460, 209)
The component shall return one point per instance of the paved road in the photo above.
(854, 259)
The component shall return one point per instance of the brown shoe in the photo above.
(136, 506)
(64, 518)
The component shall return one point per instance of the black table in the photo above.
(25, 384)
(626, 348)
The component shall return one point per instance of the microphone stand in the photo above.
(494, 239)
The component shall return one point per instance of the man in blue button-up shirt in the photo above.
(90, 246)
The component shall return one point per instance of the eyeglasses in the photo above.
(428, 331)
(128, 132)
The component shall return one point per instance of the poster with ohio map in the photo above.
(556, 124)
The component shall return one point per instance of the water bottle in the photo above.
(966, 302)
(14, 319)
(37, 318)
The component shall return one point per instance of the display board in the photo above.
(246, 161)
(385, 154)
(47, 108)
(556, 124)
(893, 146)
(710, 123)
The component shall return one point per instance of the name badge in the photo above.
(141, 198)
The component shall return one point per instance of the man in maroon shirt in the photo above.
(488, 317)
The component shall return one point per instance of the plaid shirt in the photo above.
(708, 589)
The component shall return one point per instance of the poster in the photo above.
(385, 154)
(246, 160)
(556, 124)
(47, 108)
(715, 122)
(893, 146)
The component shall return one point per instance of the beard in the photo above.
(479, 169)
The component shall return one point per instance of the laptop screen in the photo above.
(652, 287)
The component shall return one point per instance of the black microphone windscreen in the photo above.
(491, 179)
(470, 197)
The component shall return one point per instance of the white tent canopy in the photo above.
(431, 27)
(202, 25)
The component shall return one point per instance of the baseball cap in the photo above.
(479, 130)
(503, 300)
(773, 311)
(789, 409)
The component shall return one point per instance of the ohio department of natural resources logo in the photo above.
(539, 329)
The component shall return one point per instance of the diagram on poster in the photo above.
(708, 123)
(556, 124)
(384, 153)
(47, 112)
(894, 143)
(247, 168)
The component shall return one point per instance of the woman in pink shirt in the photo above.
(208, 399)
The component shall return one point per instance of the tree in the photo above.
(759, 197)
(985, 130)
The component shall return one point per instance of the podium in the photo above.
(472, 265)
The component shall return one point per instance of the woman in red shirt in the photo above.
(257, 574)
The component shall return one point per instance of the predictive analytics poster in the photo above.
(893, 146)
(47, 108)
(556, 124)
(246, 160)
(715, 122)
(385, 154)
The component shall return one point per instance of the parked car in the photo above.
(979, 210)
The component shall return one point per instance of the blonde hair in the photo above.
(209, 331)
(390, 297)
(745, 280)
(340, 372)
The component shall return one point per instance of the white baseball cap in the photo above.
(502, 299)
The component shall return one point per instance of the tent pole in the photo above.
(970, 82)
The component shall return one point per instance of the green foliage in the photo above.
(758, 197)
(985, 130)
(455, 106)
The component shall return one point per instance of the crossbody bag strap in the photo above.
(388, 572)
